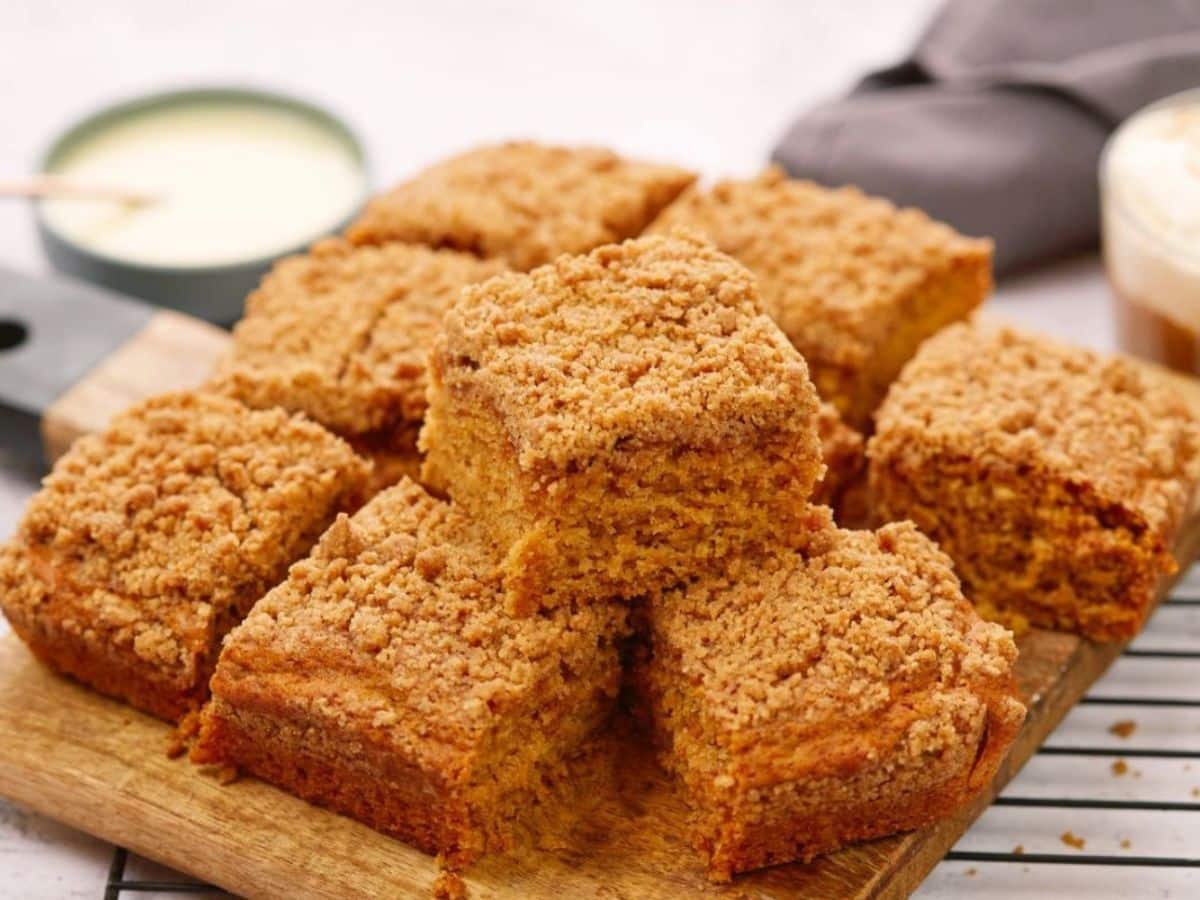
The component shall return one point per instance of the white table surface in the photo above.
(709, 84)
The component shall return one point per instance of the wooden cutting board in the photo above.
(101, 767)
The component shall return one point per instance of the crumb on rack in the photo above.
(971, 872)
(1019, 850)
(1120, 767)
(1072, 840)
(1123, 728)
(1126, 843)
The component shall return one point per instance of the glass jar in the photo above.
(1150, 222)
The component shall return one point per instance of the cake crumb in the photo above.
(1126, 843)
(971, 872)
(1196, 792)
(1072, 840)
(1019, 850)
(449, 886)
(227, 775)
(1120, 767)
(1123, 729)
(181, 735)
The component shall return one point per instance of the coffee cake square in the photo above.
(149, 541)
(833, 695)
(1056, 478)
(385, 680)
(523, 203)
(855, 283)
(342, 334)
(621, 421)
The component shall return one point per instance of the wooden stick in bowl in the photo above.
(40, 186)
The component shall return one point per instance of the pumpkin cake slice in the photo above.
(855, 283)
(384, 679)
(150, 540)
(342, 334)
(1057, 479)
(621, 421)
(523, 203)
(822, 697)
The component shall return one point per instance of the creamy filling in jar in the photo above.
(228, 180)
(1150, 180)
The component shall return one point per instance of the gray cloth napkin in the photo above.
(996, 121)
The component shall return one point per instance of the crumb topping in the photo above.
(657, 340)
(343, 333)
(832, 263)
(1027, 403)
(832, 633)
(188, 495)
(523, 202)
(397, 622)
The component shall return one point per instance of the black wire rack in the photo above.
(1121, 706)
(118, 883)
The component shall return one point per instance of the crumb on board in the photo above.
(449, 886)
(1072, 840)
(227, 774)
(1126, 843)
(1196, 792)
(181, 735)
(1019, 850)
(971, 872)
(1123, 729)
(1120, 767)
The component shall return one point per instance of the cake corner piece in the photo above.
(384, 679)
(150, 540)
(621, 420)
(830, 696)
(1056, 478)
(341, 334)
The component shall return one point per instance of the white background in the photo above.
(708, 84)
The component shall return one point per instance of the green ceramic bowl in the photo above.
(213, 292)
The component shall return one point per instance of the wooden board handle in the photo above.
(172, 352)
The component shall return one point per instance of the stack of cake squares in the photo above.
(548, 430)
(628, 445)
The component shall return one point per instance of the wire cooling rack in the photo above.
(118, 884)
(1139, 831)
